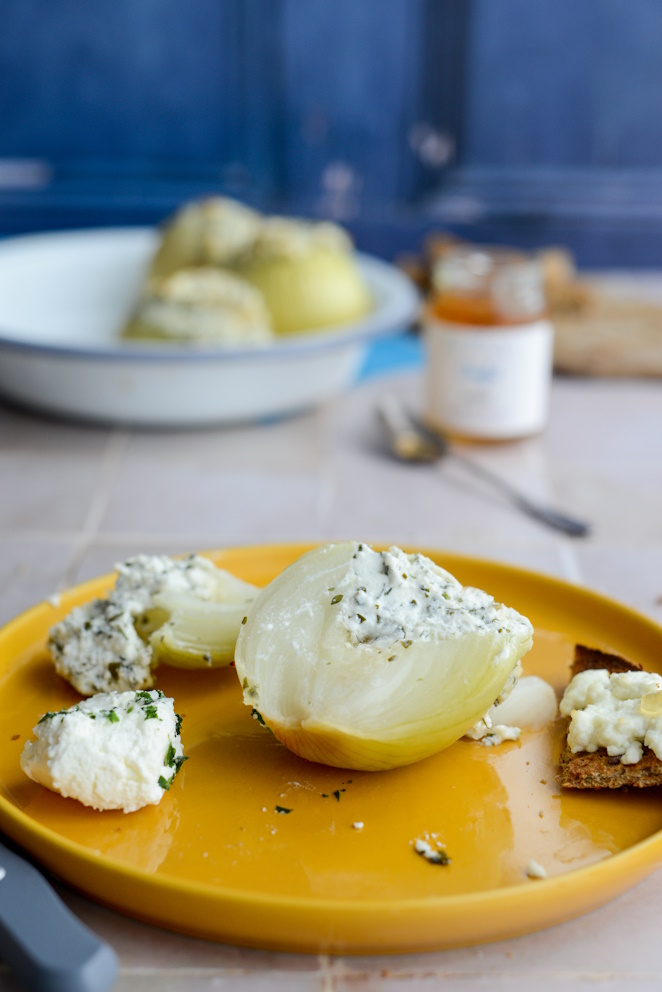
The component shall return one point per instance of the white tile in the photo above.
(49, 492)
(212, 981)
(34, 433)
(633, 576)
(30, 571)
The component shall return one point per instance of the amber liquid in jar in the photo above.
(489, 346)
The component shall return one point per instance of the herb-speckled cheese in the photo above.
(97, 647)
(116, 750)
(389, 596)
(608, 710)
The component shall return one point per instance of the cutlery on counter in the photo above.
(411, 440)
(41, 941)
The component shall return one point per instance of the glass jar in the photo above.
(489, 345)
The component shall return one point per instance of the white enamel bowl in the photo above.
(64, 297)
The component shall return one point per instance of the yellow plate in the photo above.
(216, 859)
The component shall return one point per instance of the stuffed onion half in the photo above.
(372, 659)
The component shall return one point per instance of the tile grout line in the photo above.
(115, 450)
(327, 983)
(570, 562)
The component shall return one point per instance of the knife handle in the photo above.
(41, 940)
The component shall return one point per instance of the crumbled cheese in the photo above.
(527, 703)
(535, 870)
(432, 852)
(97, 647)
(606, 711)
(390, 596)
(358, 825)
(116, 750)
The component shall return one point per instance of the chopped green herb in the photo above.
(178, 723)
(112, 716)
(336, 793)
(165, 782)
(151, 713)
(336, 599)
(362, 619)
(244, 620)
(438, 858)
(282, 809)
(406, 644)
(258, 716)
(51, 714)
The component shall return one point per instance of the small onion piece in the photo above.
(370, 660)
(186, 631)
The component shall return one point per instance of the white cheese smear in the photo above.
(611, 711)
(115, 750)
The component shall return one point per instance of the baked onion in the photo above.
(373, 659)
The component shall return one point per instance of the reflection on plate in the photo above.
(216, 858)
(63, 298)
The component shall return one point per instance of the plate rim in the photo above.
(632, 863)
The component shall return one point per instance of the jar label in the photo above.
(490, 382)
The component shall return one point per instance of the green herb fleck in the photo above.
(165, 782)
(406, 644)
(258, 716)
(50, 715)
(244, 620)
(336, 599)
(282, 809)
(112, 716)
(336, 793)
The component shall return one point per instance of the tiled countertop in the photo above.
(73, 500)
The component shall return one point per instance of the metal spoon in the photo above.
(411, 440)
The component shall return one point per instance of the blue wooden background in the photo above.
(532, 121)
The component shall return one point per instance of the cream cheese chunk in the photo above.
(98, 647)
(610, 711)
(115, 750)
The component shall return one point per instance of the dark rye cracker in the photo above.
(596, 769)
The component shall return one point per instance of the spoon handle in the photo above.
(43, 943)
(559, 521)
